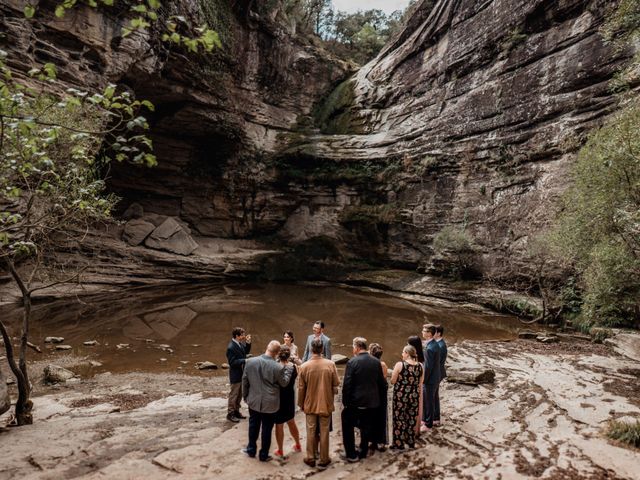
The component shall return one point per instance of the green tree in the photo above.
(49, 183)
(52, 146)
(599, 228)
(361, 35)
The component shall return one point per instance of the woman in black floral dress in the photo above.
(407, 382)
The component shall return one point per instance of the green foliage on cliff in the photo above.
(219, 16)
(623, 24)
(146, 15)
(452, 238)
(456, 246)
(50, 154)
(622, 29)
(382, 214)
(599, 228)
(333, 116)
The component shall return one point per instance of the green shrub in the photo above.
(625, 432)
(455, 246)
(370, 214)
(453, 239)
(599, 334)
(516, 306)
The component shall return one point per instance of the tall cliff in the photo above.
(469, 117)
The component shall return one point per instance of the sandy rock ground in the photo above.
(544, 417)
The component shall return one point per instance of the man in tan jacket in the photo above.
(317, 384)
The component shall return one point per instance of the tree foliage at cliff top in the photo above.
(599, 228)
(357, 36)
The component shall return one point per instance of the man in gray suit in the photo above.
(261, 381)
(318, 332)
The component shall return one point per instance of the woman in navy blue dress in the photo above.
(287, 410)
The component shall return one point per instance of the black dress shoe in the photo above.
(232, 418)
(239, 415)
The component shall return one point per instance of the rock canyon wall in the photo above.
(470, 117)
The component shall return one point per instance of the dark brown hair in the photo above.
(285, 353)
(375, 349)
(415, 342)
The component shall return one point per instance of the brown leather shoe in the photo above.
(310, 462)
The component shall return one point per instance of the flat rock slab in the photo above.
(171, 237)
(136, 231)
(471, 376)
(627, 344)
(545, 339)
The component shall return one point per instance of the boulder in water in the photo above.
(54, 339)
(56, 374)
(206, 366)
(339, 359)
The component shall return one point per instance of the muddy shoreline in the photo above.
(545, 416)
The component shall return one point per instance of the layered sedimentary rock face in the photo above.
(470, 117)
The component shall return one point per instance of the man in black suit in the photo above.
(237, 351)
(431, 376)
(362, 389)
(439, 337)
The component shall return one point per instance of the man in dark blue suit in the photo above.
(362, 388)
(237, 351)
(439, 337)
(431, 375)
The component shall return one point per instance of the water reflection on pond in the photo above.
(168, 330)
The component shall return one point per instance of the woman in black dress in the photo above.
(287, 410)
(416, 343)
(407, 378)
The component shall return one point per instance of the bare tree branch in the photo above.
(66, 280)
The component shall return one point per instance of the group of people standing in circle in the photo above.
(267, 385)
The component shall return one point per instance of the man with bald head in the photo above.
(263, 376)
